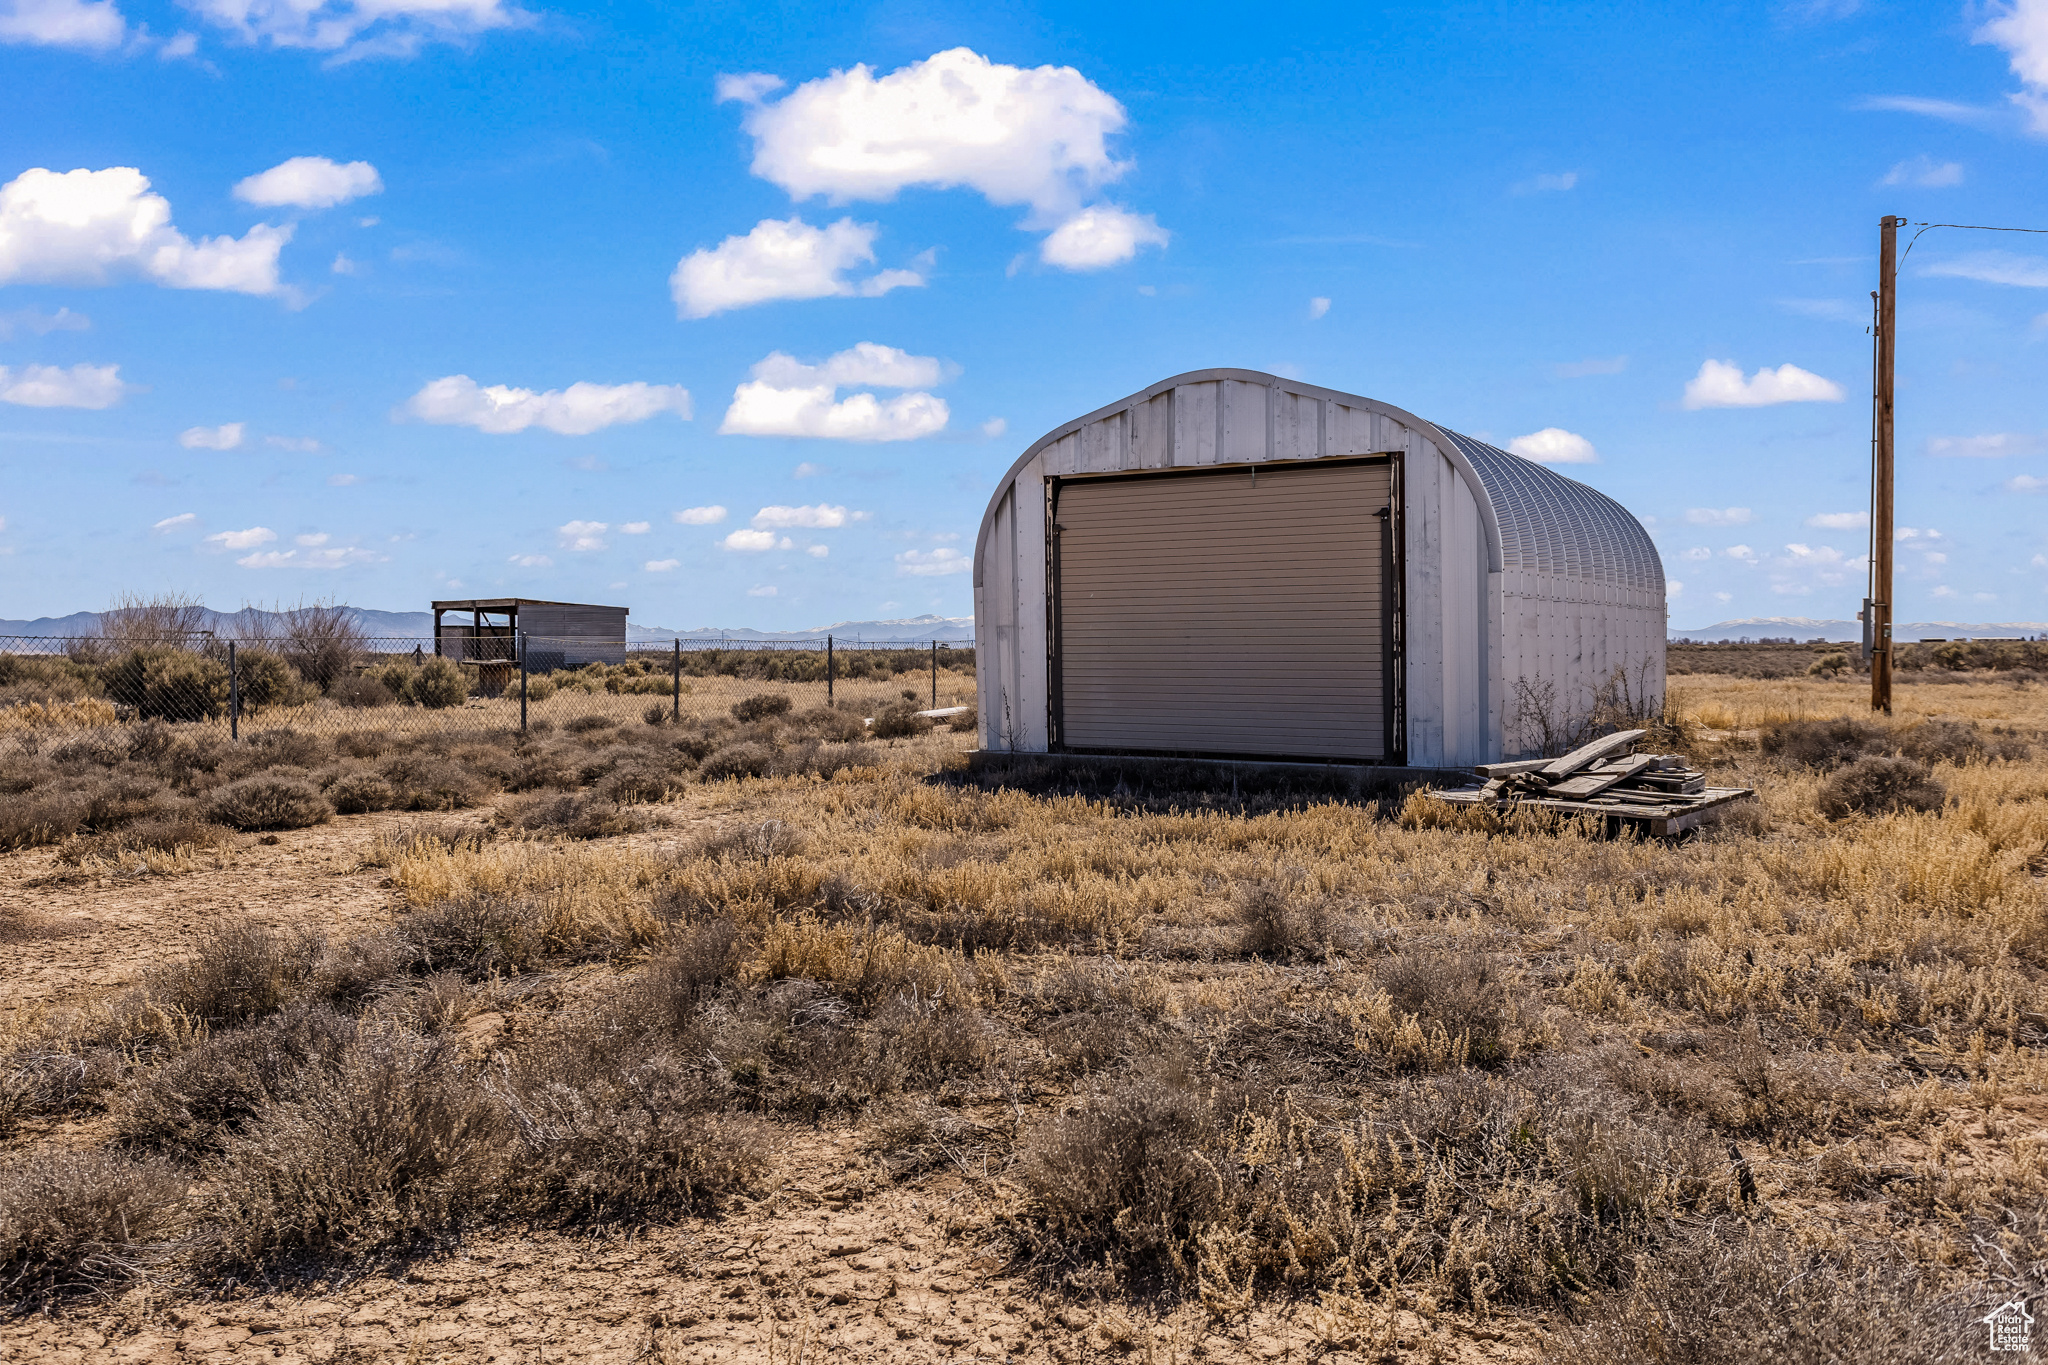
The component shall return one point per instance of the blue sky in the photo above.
(735, 314)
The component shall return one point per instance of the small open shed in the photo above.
(1230, 564)
(558, 634)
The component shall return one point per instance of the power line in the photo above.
(1966, 227)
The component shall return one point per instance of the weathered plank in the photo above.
(1597, 781)
(1588, 754)
(1520, 765)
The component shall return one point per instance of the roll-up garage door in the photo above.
(1224, 612)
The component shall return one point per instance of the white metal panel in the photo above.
(1351, 431)
(1297, 426)
(1246, 435)
(1464, 624)
(1423, 509)
(1152, 433)
(1195, 423)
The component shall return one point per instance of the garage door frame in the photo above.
(1393, 606)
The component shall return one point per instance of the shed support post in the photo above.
(234, 695)
(522, 682)
(676, 683)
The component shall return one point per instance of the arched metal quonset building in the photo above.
(1236, 565)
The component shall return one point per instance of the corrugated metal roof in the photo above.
(1554, 525)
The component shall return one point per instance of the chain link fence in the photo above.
(469, 682)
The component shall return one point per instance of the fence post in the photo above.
(522, 682)
(234, 696)
(828, 671)
(676, 683)
(935, 675)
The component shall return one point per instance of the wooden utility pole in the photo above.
(1881, 476)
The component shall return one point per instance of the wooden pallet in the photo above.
(1668, 813)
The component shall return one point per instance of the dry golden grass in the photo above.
(57, 715)
(1385, 1058)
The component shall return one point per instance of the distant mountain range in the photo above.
(1804, 628)
(419, 625)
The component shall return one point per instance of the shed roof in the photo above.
(1537, 520)
(512, 603)
(1551, 524)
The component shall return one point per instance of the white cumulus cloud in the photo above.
(765, 590)
(754, 542)
(1838, 521)
(353, 29)
(782, 259)
(789, 398)
(1720, 384)
(303, 445)
(174, 523)
(310, 182)
(635, 528)
(1101, 236)
(760, 409)
(1036, 136)
(818, 517)
(817, 551)
(2021, 28)
(1718, 516)
(578, 410)
(91, 24)
(531, 561)
(50, 386)
(2026, 483)
(581, 535)
(933, 563)
(1698, 553)
(95, 227)
(865, 365)
(1318, 307)
(661, 565)
(1555, 445)
(242, 540)
(700, 516)
(226, 436)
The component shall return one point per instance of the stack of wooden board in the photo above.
(1606, 777)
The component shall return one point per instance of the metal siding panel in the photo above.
(1195, 420)
(1464, 622)
(1208, 615)
(1247, 433)
(1351, 431)
(1151, 434)
(1425, 587)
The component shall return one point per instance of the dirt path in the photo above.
(822, 1268)
(70, 939)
